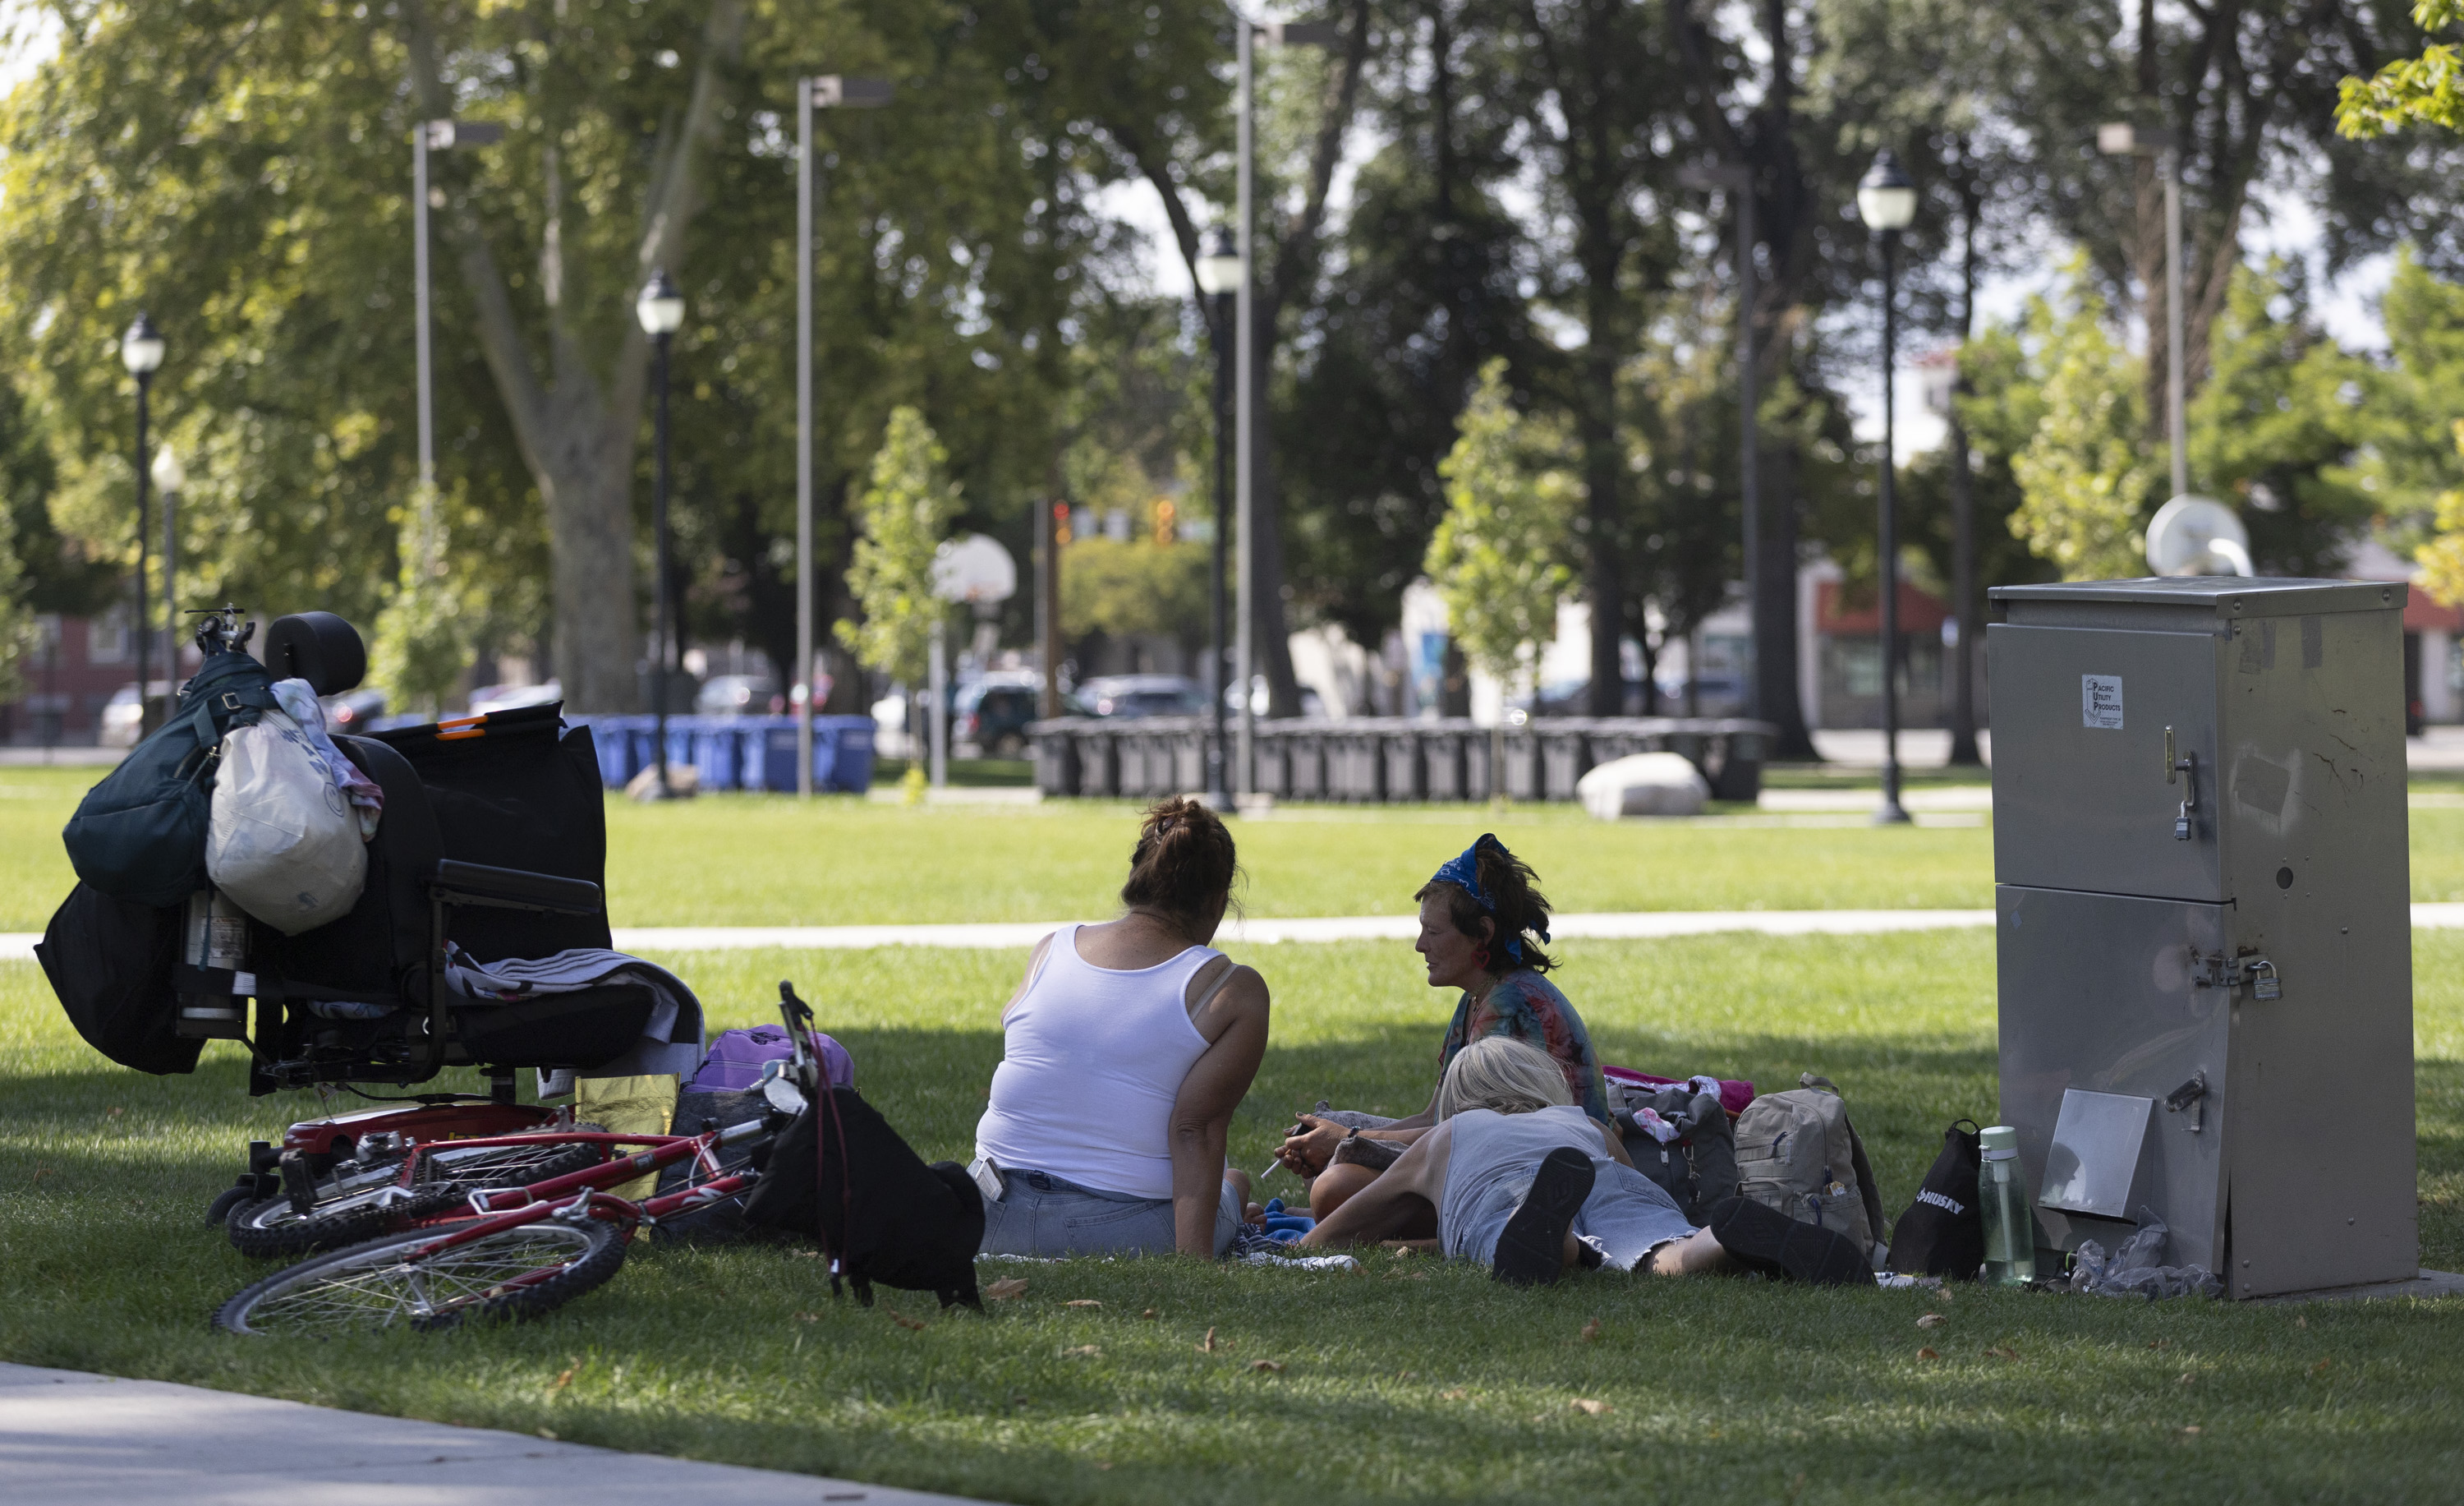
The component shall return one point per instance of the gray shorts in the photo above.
(1040, 1214)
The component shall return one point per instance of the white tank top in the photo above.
(1092, 1059)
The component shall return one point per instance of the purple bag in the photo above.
(735, 1060)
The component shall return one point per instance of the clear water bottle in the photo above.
(2002, 1199)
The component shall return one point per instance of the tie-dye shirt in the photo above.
(1528, 1007)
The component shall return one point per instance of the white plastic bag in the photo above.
(282, 842)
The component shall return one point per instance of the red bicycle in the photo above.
(520, 1251)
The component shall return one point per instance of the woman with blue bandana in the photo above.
(1483, 919)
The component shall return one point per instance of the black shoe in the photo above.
(1531, 1250)
(1766, 1240)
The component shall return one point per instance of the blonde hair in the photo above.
(1499, 1072)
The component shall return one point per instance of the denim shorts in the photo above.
(1040, 1214)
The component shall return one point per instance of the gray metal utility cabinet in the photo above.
(2202, 887)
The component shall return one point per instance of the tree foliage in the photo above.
(2427, 89)
(1134, 588)
(1498, 555)
(904, 513)
(2085, 477)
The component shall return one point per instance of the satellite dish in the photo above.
(975, 570)
(2197, 535)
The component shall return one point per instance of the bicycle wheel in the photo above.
(373, 1202)
(515, 1274)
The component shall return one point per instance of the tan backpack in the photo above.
(1797, 1152)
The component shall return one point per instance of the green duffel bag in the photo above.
(140, 835)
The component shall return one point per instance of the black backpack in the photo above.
(140, 834)
(110, 962)
(841, 1174)
(1943, 1233)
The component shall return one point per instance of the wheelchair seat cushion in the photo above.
(587, 1028)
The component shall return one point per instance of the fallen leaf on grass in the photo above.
(563, 1379)
(912, 1324)
(2191, 1431)
(113, 1114)
(1592, 1330)
(2160, 1344)
(1274, 1365)
(41, 1172)
(2185, 1377)
(1592, 1409)
(2320, 1368)
(1931, 1321)
(1149, 1313)
(808, 1317)
(2301, 1322)
(1929, 1352)
(2003, 1352)
(1082, 1352)
(1207, 1347)
(1084, 1301)
(1004, 1289)
(1455, 1395)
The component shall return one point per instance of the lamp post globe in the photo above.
(141, 349)
(1886, 197)
(1218, 263)
(661, 309)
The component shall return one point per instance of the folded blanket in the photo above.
(671, 1041)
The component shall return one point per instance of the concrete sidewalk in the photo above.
(72, 1439)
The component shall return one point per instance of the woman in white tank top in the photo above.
(1124, 1053)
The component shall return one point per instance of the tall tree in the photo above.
(1424, 291)
(1176, 139)
(1598, 79)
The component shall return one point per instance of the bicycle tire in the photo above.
(375, 1203)
(373, 1285)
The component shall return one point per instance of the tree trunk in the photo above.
(1603, 478)
(577, 430)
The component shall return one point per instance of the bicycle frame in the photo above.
(539, 1199)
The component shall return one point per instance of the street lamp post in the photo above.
(141, 351)
(661, 309)
(170, 477)
(2125, 140)
(1886, 200)
(829, 91)
(1293, 33)
(1218, 277)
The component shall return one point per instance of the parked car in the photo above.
(1722, 696)
(123, 718)
(1133, 696)
(991, 713)
(353, 710)
(506, 697)
(738, 695)
(1261, 696)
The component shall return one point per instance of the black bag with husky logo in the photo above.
(1943, 1234)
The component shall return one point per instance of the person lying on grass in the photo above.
(1483, 919)
(1523, 1182)
(1123, 1054)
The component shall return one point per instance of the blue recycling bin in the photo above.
(717, 752)
(842, 755)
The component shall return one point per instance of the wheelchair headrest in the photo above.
(316, 647)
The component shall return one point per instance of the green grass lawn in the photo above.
(771, 860)
(1408, 1381)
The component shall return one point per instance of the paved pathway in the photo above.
(72, 1439)
(1629, 925)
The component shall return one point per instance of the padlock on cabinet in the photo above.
(2264, 984)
